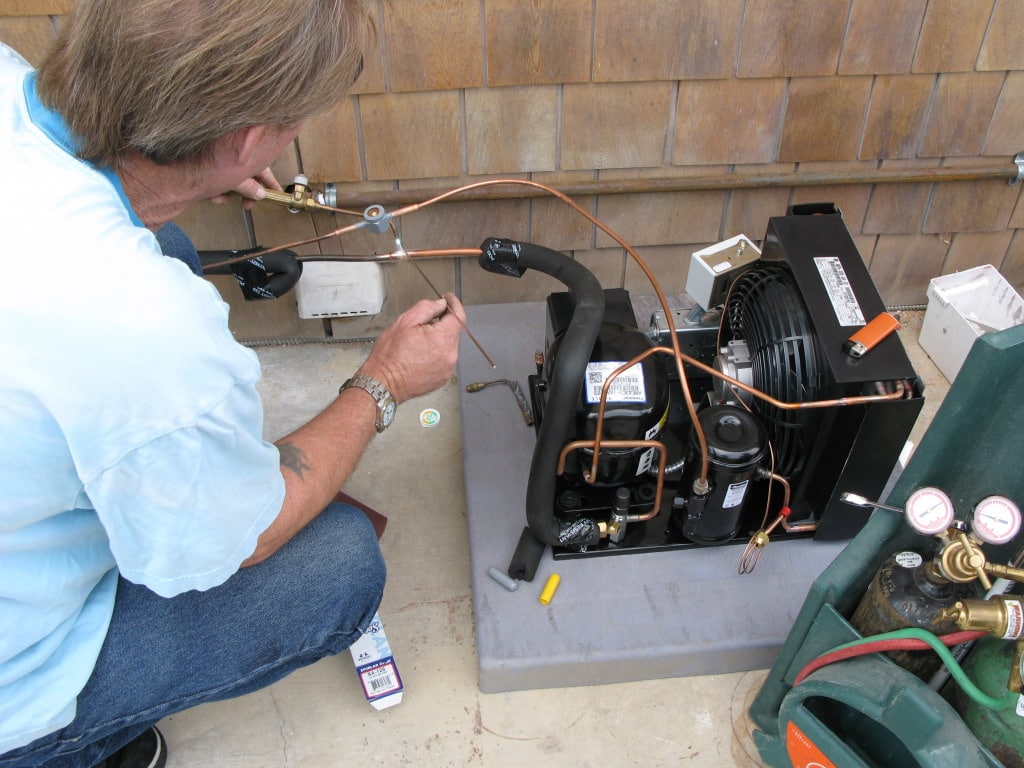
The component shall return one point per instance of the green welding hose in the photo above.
(961, 678)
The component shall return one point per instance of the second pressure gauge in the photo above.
(996, 520)
(929, 511)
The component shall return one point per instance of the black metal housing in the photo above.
(850, 448)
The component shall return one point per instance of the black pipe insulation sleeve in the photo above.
(526, 558)
(261, 277)
(499, 255)
(566, 381)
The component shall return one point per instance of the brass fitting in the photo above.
(759, 539)
(299, 199)
(1003, 616)
(299, 196)
(961, 561)
(1016, 683)
(1005, 572)
(609, 529)
(521, 401)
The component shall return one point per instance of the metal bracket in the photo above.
(1018, 159)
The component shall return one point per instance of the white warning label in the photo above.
(909, 559)
(734, 495)
(1014, 619)
(839, 290)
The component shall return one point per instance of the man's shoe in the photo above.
(149, 750)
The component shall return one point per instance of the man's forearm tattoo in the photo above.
(294, 458)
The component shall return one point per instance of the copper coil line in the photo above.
(787, 526)
(590, 478)
(701, 485)
(897, 394)
(662, 300)
(755, 547)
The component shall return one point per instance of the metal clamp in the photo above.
(377, 219)
(1018, 160)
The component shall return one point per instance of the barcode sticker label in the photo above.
(839, 290)
(380, 679)
(376, 667)
(628, 386)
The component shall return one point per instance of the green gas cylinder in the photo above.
(989, 665)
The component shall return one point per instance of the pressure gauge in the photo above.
(929, 511)
(996, 520)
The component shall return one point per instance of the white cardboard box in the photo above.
(962, 307)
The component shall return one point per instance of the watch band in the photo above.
(386, 403)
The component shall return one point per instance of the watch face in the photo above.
(389, 412)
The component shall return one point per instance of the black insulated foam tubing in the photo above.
(567, 373)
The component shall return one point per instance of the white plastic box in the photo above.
(706, 281)
(339, 289)
(962, 307)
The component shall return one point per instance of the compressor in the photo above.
(763, 415)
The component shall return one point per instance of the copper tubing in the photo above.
(843, 401)
(786, 525)
(755, 547)
(436, 253)
(786, 491)
(543, 188)
(724, 181)
(662, 453)
(676, 351)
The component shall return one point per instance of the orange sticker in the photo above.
(804, 753)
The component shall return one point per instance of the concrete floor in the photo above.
(318, 716)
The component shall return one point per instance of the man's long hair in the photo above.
(166, 78)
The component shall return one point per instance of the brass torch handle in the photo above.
(300, 199)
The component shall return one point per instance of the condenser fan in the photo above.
(764, 309)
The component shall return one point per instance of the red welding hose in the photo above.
(879, 646)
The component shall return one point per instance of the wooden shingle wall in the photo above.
(570, 91)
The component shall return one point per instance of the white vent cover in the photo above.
(339, 289)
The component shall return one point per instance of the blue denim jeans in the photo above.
(311, 599)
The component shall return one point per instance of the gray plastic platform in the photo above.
(614, 618)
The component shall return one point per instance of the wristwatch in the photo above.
(386, 404)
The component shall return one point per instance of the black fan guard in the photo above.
(765, 310)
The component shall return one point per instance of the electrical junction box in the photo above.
(339, 289)
(710, 268)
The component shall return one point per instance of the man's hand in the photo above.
(251, 190)
(417, 353)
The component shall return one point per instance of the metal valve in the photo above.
(300, 197)
(930, 512)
